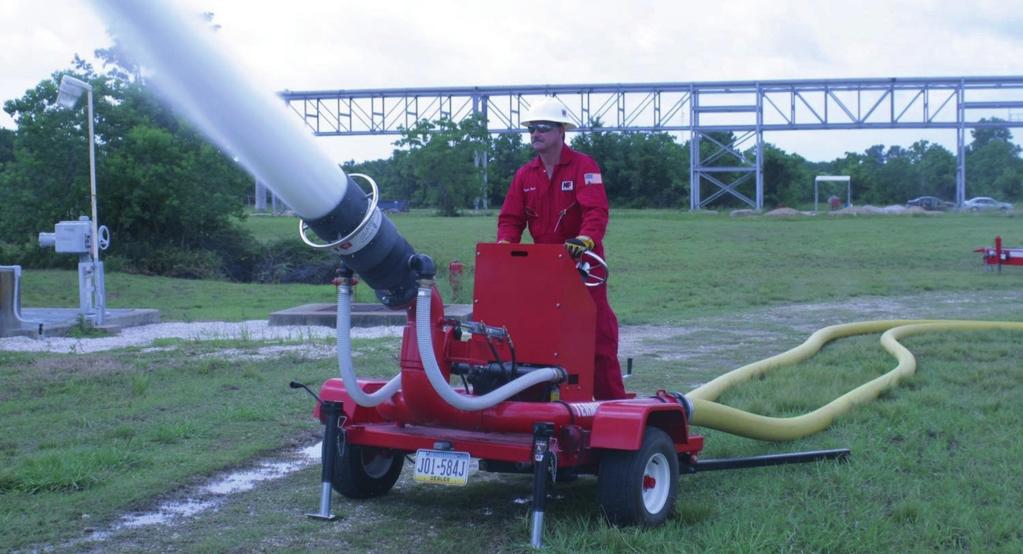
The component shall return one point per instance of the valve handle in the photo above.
(103, 237)
(587, 269)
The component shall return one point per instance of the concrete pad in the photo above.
(363, 315)
(56, 322)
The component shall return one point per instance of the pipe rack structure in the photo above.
(746, 108)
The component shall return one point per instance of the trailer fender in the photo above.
(334, 390)
(620, 425)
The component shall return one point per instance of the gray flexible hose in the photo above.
(424, 340)
(344, 356)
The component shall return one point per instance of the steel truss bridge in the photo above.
(745, 108)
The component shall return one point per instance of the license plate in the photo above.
(442, 467)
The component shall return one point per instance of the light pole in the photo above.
(71, 90)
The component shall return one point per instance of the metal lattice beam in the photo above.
(748, 108)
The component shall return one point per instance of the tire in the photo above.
(366, 471)
(639, 487)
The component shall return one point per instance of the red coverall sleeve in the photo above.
(592, 200)
(512, 219)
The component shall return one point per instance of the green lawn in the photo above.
(667, 266)
(86, 437)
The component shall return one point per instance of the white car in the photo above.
(985, 203)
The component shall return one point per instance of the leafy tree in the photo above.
(162, 189)
(387, 174)
(936, 170)
(443, 158)
(6, 146)
(508, 153)
(993, 164)
(787, 177)
(640, 169)
(982, 136)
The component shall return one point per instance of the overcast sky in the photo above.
(306, 44)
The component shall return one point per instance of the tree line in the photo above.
(438, 165)
(174, 202)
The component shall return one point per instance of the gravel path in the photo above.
(144, 335)
(705, 341)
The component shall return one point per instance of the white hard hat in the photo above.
(549, 109)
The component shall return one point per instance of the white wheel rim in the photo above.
(376, 464)
(656, 483)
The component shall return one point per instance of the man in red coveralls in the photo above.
(560, 197)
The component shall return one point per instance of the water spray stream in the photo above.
(244, 119)
(252, 124)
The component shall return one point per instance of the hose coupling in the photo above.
(686, 403)
(423, 266)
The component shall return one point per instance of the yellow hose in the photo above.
(708, 413)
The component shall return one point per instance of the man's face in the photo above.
(545, 135)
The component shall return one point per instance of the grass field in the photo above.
(84, 438)
(667, 266)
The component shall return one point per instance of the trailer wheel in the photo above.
(366, 471)
(639, 487)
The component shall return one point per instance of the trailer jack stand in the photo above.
(541, 469)
(333, 410)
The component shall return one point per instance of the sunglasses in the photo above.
(542, 127)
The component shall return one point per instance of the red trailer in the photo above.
(999, 255)
(532, 316)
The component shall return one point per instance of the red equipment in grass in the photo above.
(531, 313)
(999, 255)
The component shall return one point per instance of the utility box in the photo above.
(69, 237)
(75, 237)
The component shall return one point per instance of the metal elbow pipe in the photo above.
(344, 356)
(424, 341)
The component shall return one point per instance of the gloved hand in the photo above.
(578, 245)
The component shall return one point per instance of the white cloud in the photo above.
(307, 44)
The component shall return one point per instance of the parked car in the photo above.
(930, 203)
(985, 203)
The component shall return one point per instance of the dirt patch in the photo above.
(786, 212)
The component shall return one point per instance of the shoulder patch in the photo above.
(592, 179)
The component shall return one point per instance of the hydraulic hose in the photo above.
(424, 341)
(708, 413)
(344, 356)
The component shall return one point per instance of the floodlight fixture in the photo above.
(71, 90)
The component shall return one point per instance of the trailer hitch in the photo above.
(692, 465)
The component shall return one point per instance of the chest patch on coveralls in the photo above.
(567, 185)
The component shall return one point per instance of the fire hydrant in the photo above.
(455, 277)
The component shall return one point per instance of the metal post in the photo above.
(98, 290)
(960, 147)
(541, 461)
(760, 148)
(328, 458)
(694, 151)
(486, 181)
